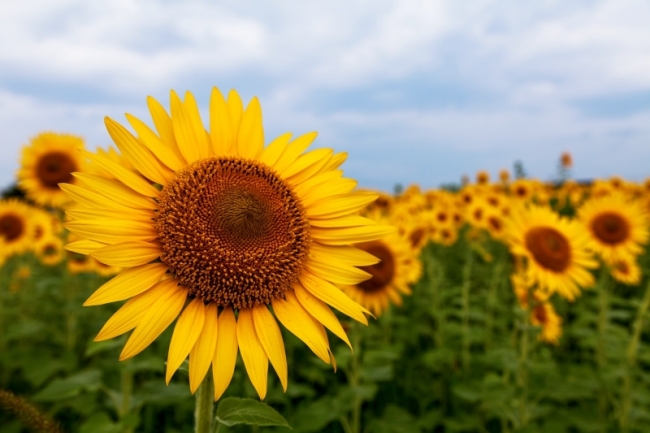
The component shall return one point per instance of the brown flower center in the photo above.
(540, 314)
(417, 236)
(622, 267)
(549, 248)
(232, 232)
(495, 223)
(382, 272)
(54, 168)
(49, 250)
(610, 228)
(12, 226)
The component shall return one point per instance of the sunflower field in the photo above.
(199, 276)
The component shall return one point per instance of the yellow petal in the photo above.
(300, 323)
(201, 136)
(128, 254)
(332, 295)
(130, 314)
(142, 215)
(220, 127)
(344, 254)
(203, 350)
(163, 124)
(110, 232)
(335, 162)
(225, 354)
(269, 334)
(116, 191)
(350, 235)
(337, 272)
(306, 187)
(250, 140)
(252, 351)
(340, 205)
(141, 158)
(307, 165)
(133, 180)
(85, 246)
(186, 332)
(157, 318)
(127, 284)
(155, 144)
(320, 311)
(90, 199)
(344, 221)
(274, 150)
(329, 189)
(184, 131)
(293, 151)
(236, 110)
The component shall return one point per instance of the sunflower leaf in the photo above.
(233, 411)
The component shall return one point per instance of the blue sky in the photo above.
(415, 91)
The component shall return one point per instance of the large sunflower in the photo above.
(397, 268)
(555, 249)
(229, 229)
(50, 159)
(16, 227)
(617, 226)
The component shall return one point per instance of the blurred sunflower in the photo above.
(50, 251)
(16, 227)
(396, 269)
(555, 249)
(617, 226)
(504, 176)
(522, 189)
(50, 159)
(43, 227)
(232, 227)
(544, 315)
(482, 177)
(627, 271)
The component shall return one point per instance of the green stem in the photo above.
(601, 347)
(434, 273)
(632, 350)
(467, 282)
(491, 303)
(355, 423)
(522, 377)
(127, 390)
(203, 411)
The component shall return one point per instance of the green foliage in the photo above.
(458, 356)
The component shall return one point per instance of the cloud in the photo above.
(398, 84)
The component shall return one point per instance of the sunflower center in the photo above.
(540, 314)
(549, 248)
(54, 168)
(382, 272)
(622, 267)
(495, 223)
(610, 228)
(416, 237)
(11, 227)
(232, 232)
(49, 250)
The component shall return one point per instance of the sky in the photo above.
(415, 91)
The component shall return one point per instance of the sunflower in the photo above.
(396, 269)
(626, 271)
(446, 236)
(230, 228)
(555, 249)
(504, 176)
(544, 315)
(43, 227)
(16, 227)
(482, 177)
(50, 251)
(48, 161)
(475, 213)
(495, 223)
(617, 226)
(566, 160)
(522, 189)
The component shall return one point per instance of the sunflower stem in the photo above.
(354, 378)
(522, 376)
(601, 348)
(491, 303)
(632, 350)
(467, 282)
(204, 409)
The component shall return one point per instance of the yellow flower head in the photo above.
(16, 227)
(617, 226)
(50, 159)
(213, 228)
(555, 249)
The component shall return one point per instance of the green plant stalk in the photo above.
(632, 350)
(126, 378)
(491, 303)
(204, 409)
(522, 376)
(467, 282)
(354, 378)
(434, 274)
(601, 347)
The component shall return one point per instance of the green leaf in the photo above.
(233, 411)
(60, 389)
